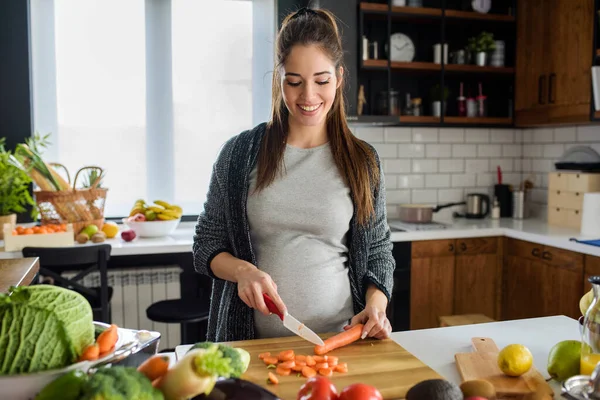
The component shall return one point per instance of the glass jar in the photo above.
(590, 331)
(417, 106)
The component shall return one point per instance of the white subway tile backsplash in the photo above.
(502, 135)
(451, 165)
(452, 135)
(424, 166)
(392, 210)
(398, 135)
(506, 164)
(485, 179)
(397, 196)
(425, 135)
(527, 136)
(543, 135)
(553, 150)
(510, 178)
(518, 165)
(391, 182)
(386, 150)
(438, 150)
(541, 165)
(588, 133)
(396, 166)
(532, 151)
(464, 150)
(424, 196)
(412, 150)
(462, 180)
(477, 165)
(526, 165)
(370, 134)
(489, 150)
(437, 180)
(512, 150)
(411, 181)
(565, 135)
(450, 195)
(473, 135)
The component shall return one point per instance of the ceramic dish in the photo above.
(152, 228)
(26, 386)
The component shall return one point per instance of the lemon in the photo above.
(110, 229)
(515, 360)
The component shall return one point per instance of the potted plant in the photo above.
(14, 190)
(479, 46)
(437, 94)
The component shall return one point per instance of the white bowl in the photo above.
(152, 228)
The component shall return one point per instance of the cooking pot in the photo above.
(421, 213)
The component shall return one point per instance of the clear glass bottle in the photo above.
(590, 332)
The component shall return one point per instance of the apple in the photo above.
(128, 236)
(139, 217)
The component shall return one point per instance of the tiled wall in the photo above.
(436, 166)
(542, 148)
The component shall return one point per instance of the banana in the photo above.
(165, 217)
(176, 208)
(162, 203)
(171, 213)
(136, 210)
(156, 209)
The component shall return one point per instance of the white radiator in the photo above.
(134, 290)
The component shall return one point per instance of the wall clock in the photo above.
(402, 48)
(482, 6)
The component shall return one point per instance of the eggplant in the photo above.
(237, 389)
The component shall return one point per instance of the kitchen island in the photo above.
(17, 272)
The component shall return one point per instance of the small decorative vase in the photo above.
(10, 219)
(481, 58)
(436, 108)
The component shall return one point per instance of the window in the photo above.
(149, 90)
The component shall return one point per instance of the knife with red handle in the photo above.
(292, 323)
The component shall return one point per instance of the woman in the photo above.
(296, 206)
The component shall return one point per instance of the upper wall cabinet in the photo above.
(555, 50)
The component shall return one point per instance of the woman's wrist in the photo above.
(242, 268)
(376, 298)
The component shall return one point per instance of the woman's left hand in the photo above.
(375, 323)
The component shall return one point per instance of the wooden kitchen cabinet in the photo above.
(450, 277)
(592, 268)
(553, 60)
(540, 281)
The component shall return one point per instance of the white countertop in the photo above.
(531, 230)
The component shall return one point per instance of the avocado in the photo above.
(478, 388)
(434, 389)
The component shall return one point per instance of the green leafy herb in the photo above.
(271, 366)
(14, 185)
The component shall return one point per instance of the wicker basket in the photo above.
(81, 207)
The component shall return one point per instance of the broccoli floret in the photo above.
(204, 345)
(119, 383)
(239, 359)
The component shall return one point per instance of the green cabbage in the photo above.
(43, 327)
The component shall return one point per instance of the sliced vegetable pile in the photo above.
(308, 366)
(104, 344)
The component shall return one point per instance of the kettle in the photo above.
(478, 205)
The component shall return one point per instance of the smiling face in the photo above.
(308, 84)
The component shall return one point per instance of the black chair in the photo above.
(86, 259)
(178, 311)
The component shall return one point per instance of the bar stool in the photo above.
(177, 311)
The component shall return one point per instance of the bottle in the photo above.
(496, 209)
(590, 332)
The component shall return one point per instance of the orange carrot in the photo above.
(308, 372)
(288, 364)
(283, 371)
(341, 367)
(301, 363)
(320, 359)
(340, 340)
(155, 367)
(325, 371)
(90, 353)
(332, 360)
(156, 382)
(321, 365)
(298, 368)
(286, 355)
(263, 355)
(107, 339)
(270, 360)
(273, 379)
(310, 361)
(300, 357)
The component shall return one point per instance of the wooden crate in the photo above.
(18, 242)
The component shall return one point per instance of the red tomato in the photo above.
(360, 391)
(317, 388)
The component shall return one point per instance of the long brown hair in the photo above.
(354, 159)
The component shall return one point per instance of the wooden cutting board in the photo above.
(380, 363)
(483, 364)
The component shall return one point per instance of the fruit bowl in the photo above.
(152, 228)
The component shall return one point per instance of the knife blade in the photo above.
(292, 323)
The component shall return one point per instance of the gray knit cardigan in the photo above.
(223, 227)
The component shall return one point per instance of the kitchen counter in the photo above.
(532, 230)
(17, 272)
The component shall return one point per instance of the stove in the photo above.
(411, 227)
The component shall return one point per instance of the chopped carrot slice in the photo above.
(272, 378)
(283, 371)
(301, 363)
(319, 359)
(298, 368)
(288, 364)
(270, 360)
(325, 371)
(300, 357)
(308, 372)
(263, 355)
(286, 355)
(332, 360)
(321, 365)
(341, 367)
(310, 361)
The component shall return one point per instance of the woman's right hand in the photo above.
(252, 283)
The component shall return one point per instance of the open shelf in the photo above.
(470, 15)
(476, 68)
(375, 63)
(478, 120)
(424, 119)
(416, 11)
(429, 66)
(416, 66)
(374, 7)
(406, 12)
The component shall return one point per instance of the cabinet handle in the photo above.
(451, 248)
(463, 246)
(541, 85)
(547, 256)
(535, 252)
(551, 87)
